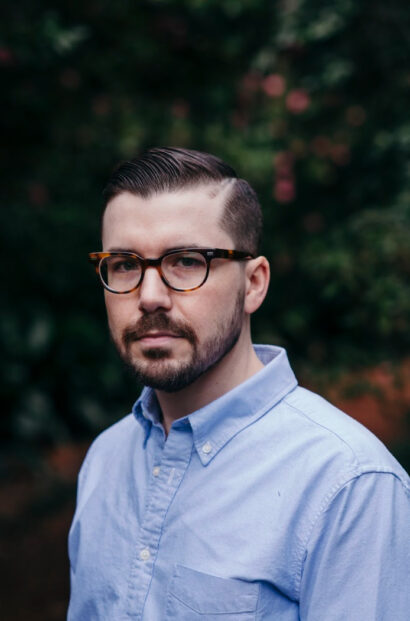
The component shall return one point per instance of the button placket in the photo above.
(174, 461)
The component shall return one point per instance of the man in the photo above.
(230, 492)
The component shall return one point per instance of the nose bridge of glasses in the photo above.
(155, 263)
(150, 262)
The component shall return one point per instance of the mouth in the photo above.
(157, 339)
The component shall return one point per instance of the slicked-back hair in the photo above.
(168, 169)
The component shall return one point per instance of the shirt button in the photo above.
(207, 448)
(145, 554)
(156, 471)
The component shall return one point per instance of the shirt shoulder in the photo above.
(342, 437)
(114, 443)
(119, 432)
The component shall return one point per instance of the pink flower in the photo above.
(297, 101)
(283, 163)
(284, 191)
(274, 85)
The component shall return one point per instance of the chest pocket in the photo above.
(193, 595)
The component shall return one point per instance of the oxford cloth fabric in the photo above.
(267, 504)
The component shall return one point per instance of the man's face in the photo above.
(170, 338)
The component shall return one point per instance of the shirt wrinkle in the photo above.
(325, 428)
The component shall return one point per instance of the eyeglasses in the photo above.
(184, 269)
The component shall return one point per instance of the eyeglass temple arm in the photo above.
(231, 254)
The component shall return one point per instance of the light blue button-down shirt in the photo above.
(268, 503)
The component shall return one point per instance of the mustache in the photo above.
(157, 322)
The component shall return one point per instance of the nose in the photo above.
(153, 292)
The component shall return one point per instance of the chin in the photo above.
(157, 353)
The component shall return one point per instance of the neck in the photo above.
(234, 368)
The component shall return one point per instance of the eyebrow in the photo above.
(170, 249)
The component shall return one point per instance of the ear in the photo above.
(257, 282)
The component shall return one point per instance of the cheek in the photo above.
(209, 311)
(117, 314)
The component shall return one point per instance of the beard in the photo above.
(156, 368)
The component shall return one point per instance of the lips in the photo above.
(157, 339)
(157, 335)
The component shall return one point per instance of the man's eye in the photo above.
(188, 262)
(124, 266)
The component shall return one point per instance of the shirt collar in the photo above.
(219, 421)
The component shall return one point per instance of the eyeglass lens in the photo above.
(181, 270)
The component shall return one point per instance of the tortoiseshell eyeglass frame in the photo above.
(208, 253)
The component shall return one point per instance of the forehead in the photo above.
(166, 220)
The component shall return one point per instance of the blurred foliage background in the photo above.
(307, 99)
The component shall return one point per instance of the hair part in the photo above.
(168, 169)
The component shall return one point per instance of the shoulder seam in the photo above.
(330, 431)
(327, 500)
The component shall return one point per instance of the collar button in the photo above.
(207, 448)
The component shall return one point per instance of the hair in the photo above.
(168, 169)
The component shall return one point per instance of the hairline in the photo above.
(216, 187)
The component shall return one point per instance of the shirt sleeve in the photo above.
(357, 563)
